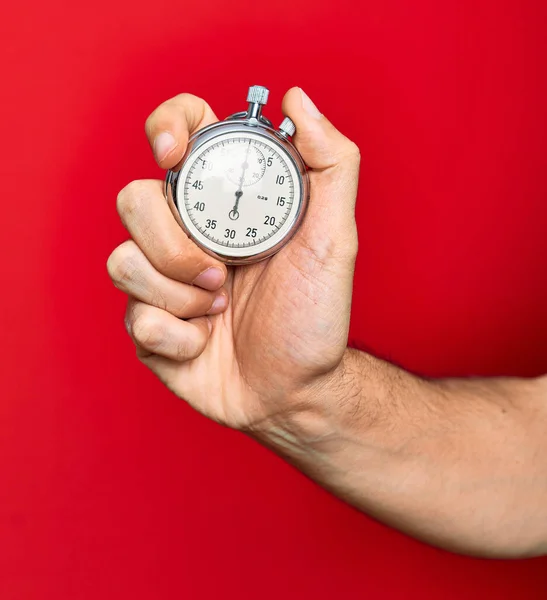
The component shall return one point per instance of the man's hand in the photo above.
(241, 344)
(461, 464)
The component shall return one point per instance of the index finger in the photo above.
(172, 123)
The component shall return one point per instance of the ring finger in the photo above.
(157, 332)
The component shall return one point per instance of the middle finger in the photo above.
(132, 273)
(148, 218)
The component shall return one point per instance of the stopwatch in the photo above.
(241, 190)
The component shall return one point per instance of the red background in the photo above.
(109, 487)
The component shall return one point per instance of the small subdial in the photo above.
(247, 166)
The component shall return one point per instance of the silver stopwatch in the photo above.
(241, 189)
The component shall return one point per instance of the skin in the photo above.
(461, 464)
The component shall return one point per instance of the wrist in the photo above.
(322, 415)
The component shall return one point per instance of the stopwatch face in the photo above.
(239, 194)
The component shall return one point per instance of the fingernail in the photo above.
(219, 304)
(211, 279)
(309, 106)
(163, 144)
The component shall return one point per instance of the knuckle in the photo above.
(121, 265)
(130, 198)
(163, 115)
(158, 115)
(159, 299)
(184, 97)
(352, 152)
(184, 351)
(151, 119)
(189, 348)
(147, 332)
(185, 306)
(160, 118)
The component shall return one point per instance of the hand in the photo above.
(242, 344)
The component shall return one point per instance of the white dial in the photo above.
(239, 193)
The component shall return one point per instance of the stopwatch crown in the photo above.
(258, 95)
(287, 126)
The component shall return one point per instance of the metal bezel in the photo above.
(242, 126)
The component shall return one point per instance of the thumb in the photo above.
(329, 229)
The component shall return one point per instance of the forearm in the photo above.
(461, 464)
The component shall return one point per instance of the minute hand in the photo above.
(239, 193)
